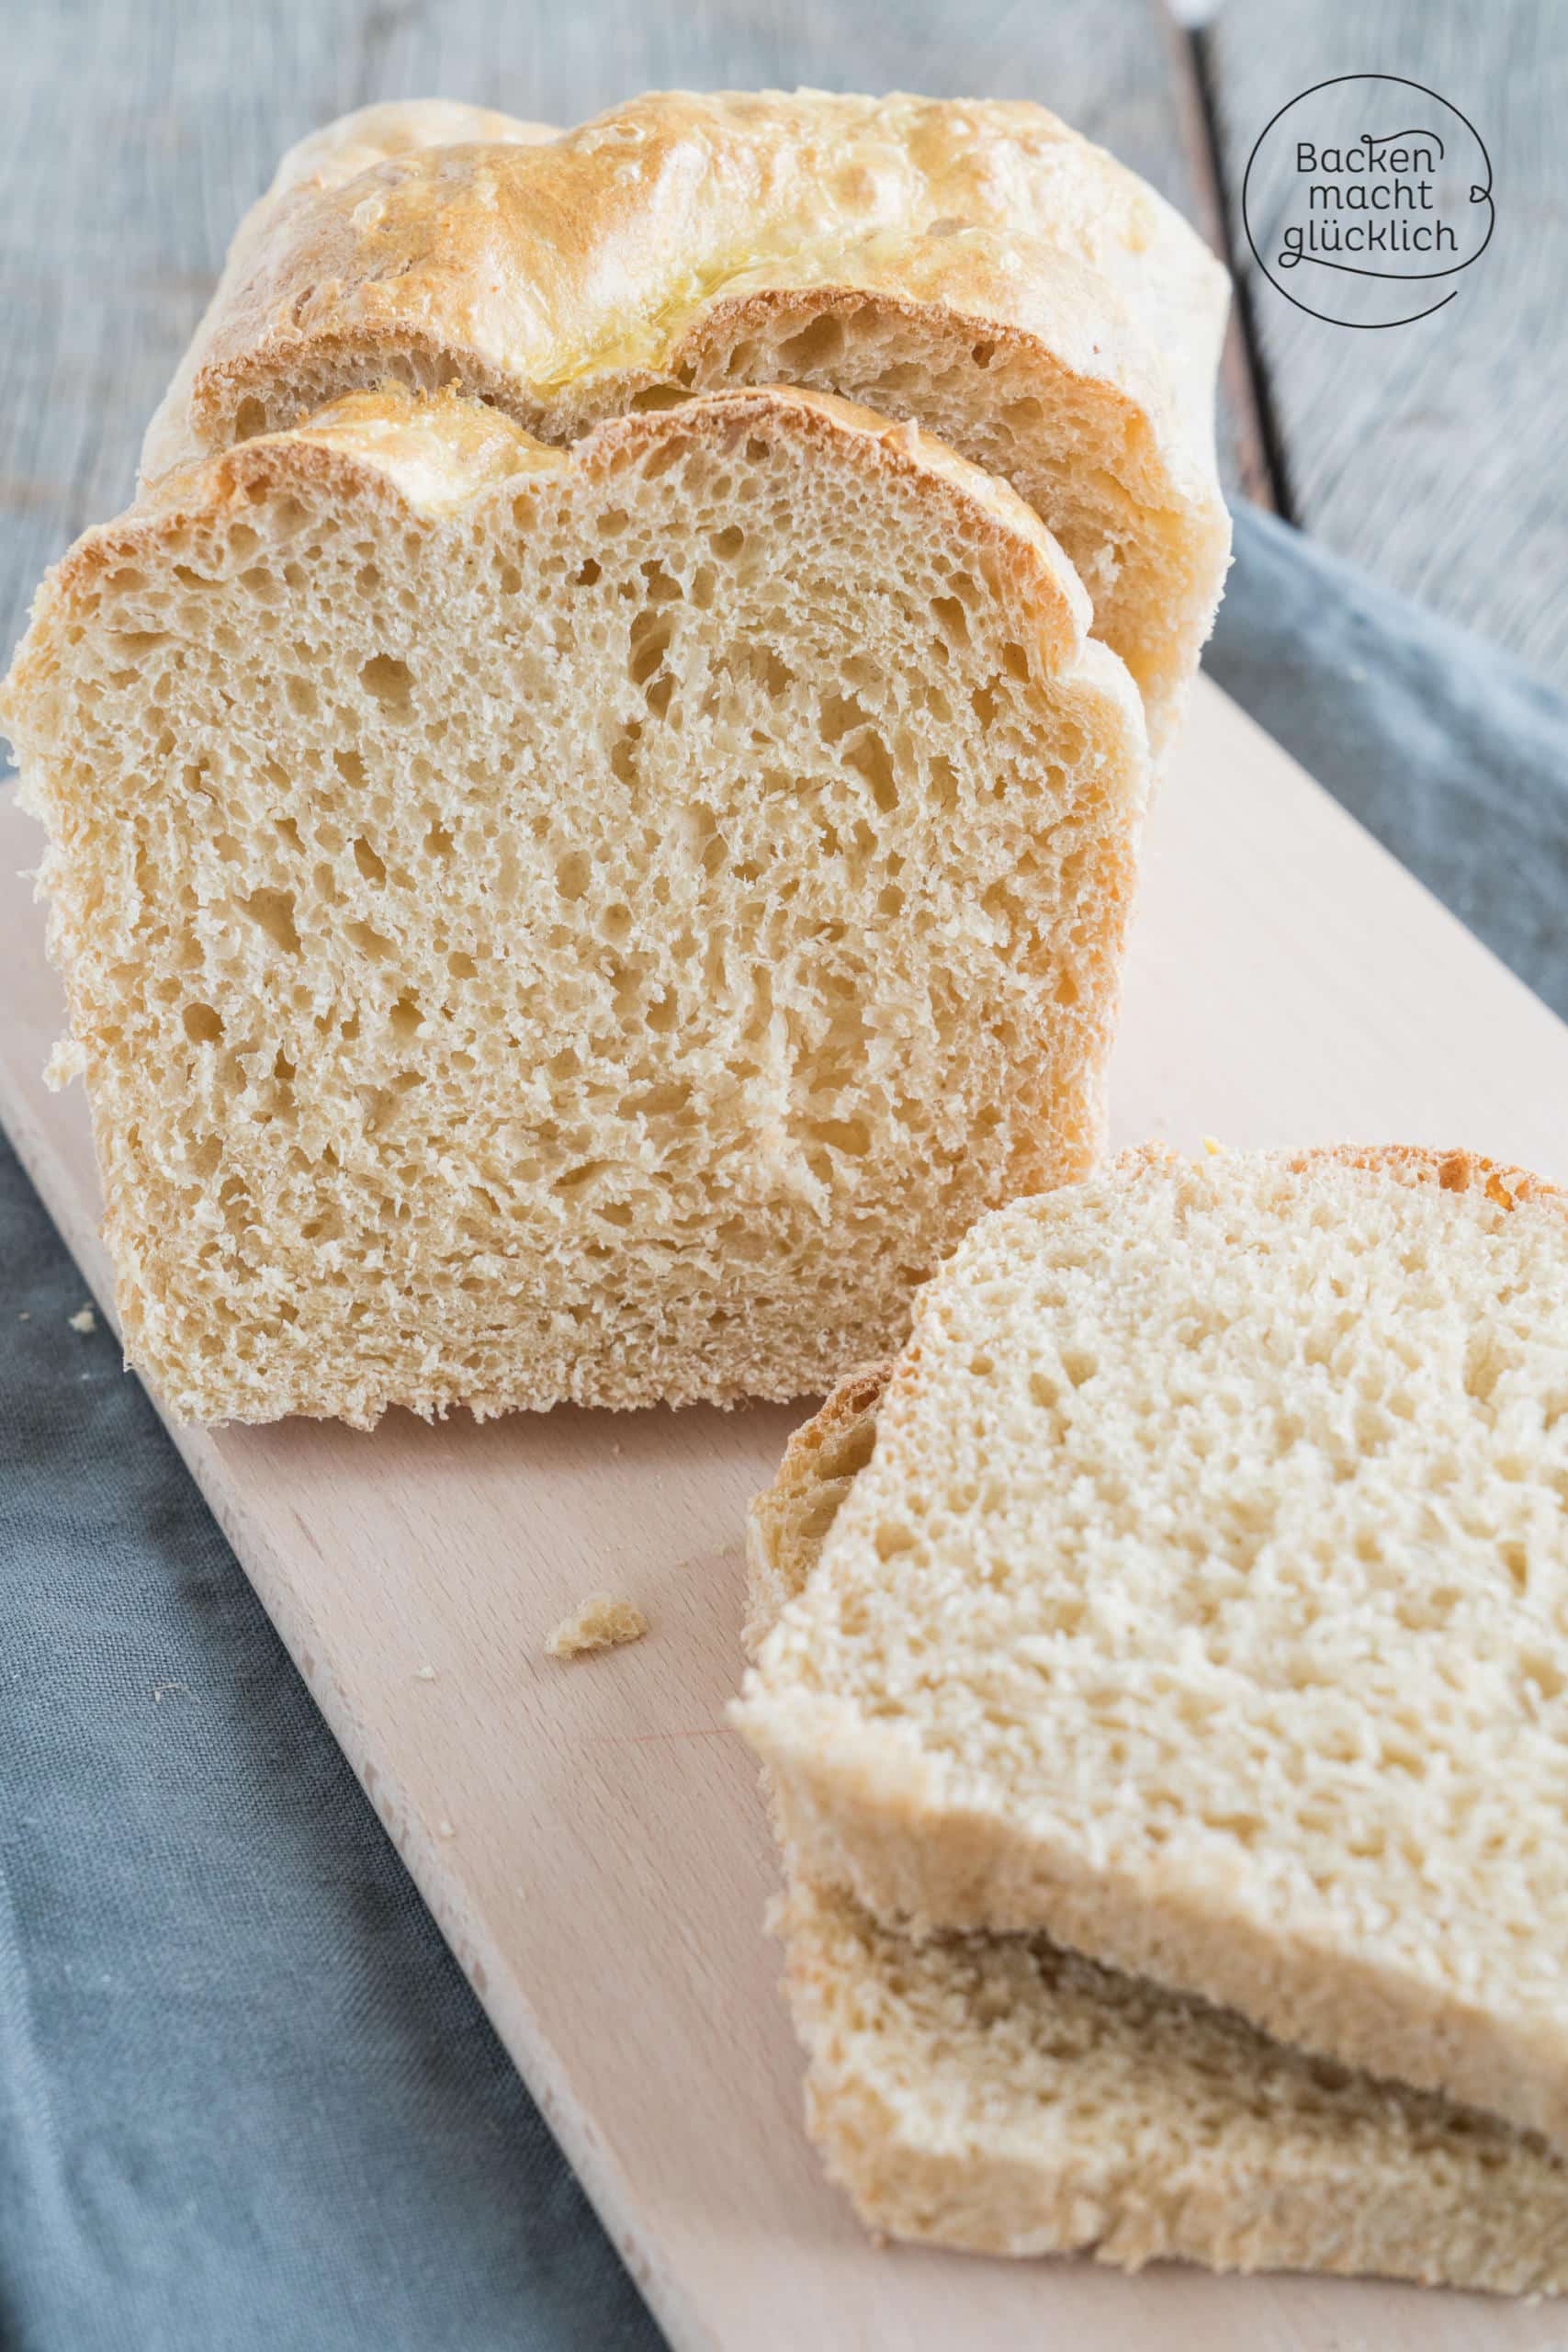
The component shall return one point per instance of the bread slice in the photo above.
(977, 267)
(997, 2094)
(594, 927)
(1204, 1605)
(1001, 2095)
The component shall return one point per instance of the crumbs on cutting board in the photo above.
(601, 1622)
(83, 1320)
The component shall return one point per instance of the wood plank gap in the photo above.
(1260, 450)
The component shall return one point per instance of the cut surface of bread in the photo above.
(998, 2094)
(978, 267)
(594, 926)
(1204, 1605)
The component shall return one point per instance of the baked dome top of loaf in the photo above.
(550, 258)
(974, 266)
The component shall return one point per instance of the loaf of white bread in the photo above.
(575, 878)
(975, 267)
(1202, 1606)
(998, 2094)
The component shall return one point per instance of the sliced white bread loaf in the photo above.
(977, 267)
(1204, 1605)
(998, 2094)
(594, 926)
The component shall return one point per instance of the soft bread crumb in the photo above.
(84, 1320)
(736, 1068)
(602, 1622)
(1202, 1604)
(964, 2087)
(67, 1060)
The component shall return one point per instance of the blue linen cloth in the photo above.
(247, 2101)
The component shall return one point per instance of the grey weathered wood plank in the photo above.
(1432, 452)
(141, 129)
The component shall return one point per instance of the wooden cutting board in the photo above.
(589, 1837)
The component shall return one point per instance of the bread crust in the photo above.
(535, 260)
(686, 242)
(341, 151)
(804, 1496)
(1454, 1171)
(433, 457)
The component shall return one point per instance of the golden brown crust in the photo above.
(978, 267)
(355, 142)
(535, 264)
(1014, 290)
(1452, 1171)
(856, 1395)
(789, 1520)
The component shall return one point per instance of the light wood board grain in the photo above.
(1431, 452)
(589, 1836)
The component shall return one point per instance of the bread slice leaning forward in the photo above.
(975, 267)
(997, 2094)
(594, 926)
(1203, 1606)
